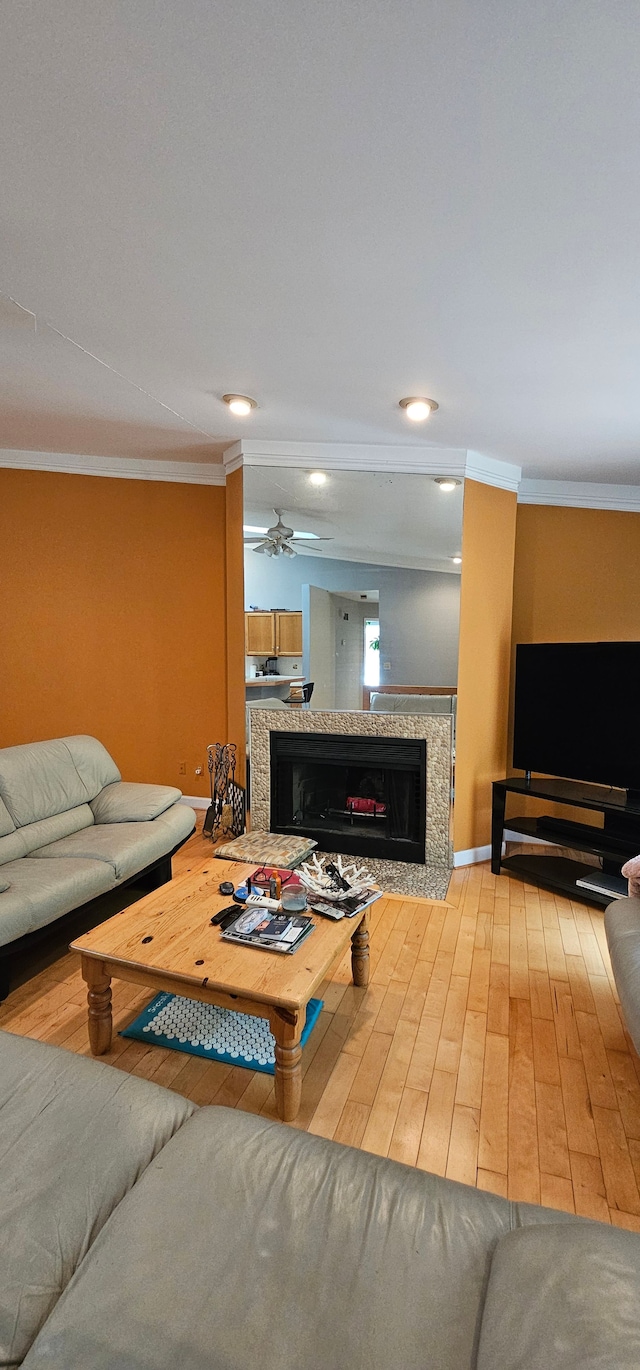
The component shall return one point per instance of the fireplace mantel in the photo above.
(434, 729)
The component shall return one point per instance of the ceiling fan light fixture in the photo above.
(447, 483)
(240, 405)
(417, 408)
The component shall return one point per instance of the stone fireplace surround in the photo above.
(430, 880)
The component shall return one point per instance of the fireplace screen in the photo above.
(363, 796)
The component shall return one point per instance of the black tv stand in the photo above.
(614, 843)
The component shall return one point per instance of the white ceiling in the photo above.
(381, 519)
(327, 206)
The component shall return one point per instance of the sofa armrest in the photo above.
(127, 802)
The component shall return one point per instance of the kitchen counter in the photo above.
(263, 680)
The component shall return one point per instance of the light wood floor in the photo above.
(488, 1047)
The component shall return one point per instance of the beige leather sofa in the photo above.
(71, 829)
(140, 1233)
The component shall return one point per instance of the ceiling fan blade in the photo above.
(248, 540)
(263, 547)
(310, 541)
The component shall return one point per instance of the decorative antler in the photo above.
(325, 877)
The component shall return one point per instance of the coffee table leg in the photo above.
(286, 1028)
(99, 1001)
(360, 953)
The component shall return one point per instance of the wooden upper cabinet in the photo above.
(288, 634)
(273, 634)
(260, 634)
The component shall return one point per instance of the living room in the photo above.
(326, 215)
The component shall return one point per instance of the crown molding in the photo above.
(347, 456)
(334, 456)
(118, 468)
(570, 494)
(431, 461)
(489, 471)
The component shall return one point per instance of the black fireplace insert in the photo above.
(362, 796)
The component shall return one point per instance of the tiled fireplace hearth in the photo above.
(395, 810)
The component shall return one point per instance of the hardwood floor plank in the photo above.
(462, 1158)
(434, 1143)
(491, 1181)
(589, 1192)
(405, 1139)
(494, 1112)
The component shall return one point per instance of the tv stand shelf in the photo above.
(613, 844)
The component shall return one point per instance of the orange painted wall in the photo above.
(577, 575)
(576, 579)
(113, 618)
(486, 593)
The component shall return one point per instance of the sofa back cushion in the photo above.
(7, 824)
(24, 840)
(563, 1298)
(41, 779)
(412, 704)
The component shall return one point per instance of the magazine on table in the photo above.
(343, 908)
(258, 927)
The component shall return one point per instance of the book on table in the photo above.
(259, 927)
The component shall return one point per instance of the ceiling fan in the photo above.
(278, 540)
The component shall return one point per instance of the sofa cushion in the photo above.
(41, 779)
(32, 835)
(40, 891)
(247, 1243)
(74, 1138)
(563, 1298)
(124, 802)
(127, 847)
(7, 824)
(12, 846)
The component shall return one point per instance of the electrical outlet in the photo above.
(386, 665)
(182, 768)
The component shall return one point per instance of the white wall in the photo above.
(322, 647)
(349, 619)
(419, 610)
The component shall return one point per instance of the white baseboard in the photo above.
(195, 801)
(471, 856)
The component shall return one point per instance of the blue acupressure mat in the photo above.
(219, 1034)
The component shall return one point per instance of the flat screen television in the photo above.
(577, 711)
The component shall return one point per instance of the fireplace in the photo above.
(359, 795)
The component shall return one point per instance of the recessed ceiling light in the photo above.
(241, 405)
(317, 478)
(446, 482)
(457, 561)
(417, 408)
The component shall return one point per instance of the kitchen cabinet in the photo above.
(277, 633)
(288, 634)
(259, 634)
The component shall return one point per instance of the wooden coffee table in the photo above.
(166, 941)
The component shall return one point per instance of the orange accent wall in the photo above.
(235, 619)
(577, 575)
(486, 593)
(113, 618)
